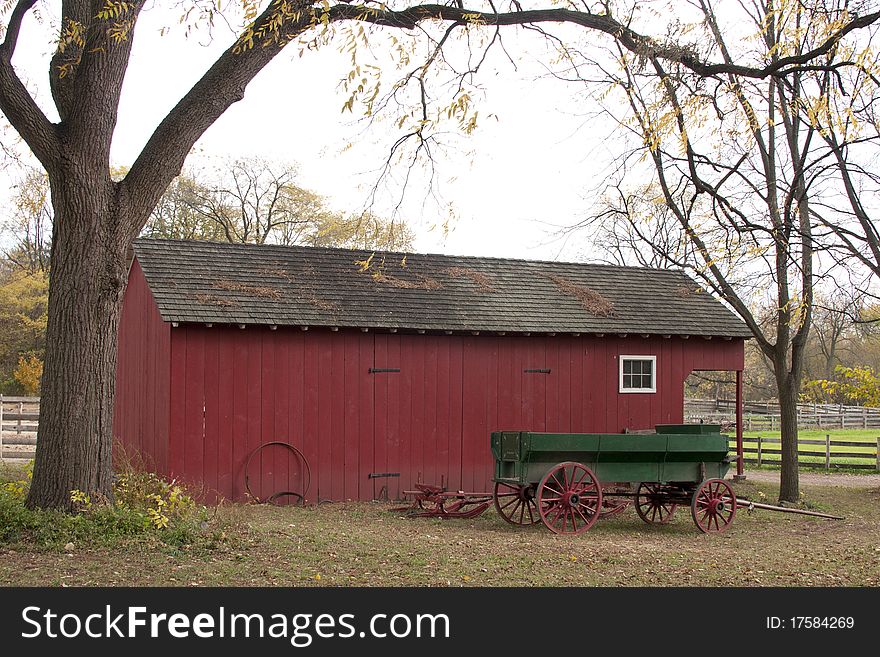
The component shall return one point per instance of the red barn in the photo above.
(383, 369)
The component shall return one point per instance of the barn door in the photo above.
(388, 448)
(531, 354)
(417, 417)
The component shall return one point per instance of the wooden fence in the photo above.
(764, 416)
(19, 417)
(818, 453)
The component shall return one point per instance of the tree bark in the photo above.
(788, 480)
(89, 264)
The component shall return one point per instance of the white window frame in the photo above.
(653, 388)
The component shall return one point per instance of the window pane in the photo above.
(637, 374)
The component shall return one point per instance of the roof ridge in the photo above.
(334, 249)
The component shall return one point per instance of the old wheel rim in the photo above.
(516, 504)
(651, 507)
(569, 498)
(713, 506)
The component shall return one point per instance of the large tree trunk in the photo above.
(88, 275)
(788, 480)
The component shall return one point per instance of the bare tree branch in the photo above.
(15, 101)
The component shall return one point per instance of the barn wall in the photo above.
(233, 390)
(140, 413)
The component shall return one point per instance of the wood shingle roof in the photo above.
(212, 282)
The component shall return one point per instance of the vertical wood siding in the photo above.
(233, 390)
(141, 413)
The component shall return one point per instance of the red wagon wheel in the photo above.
(651, 505)
(516, 504)
(569, 498)
(713, 506)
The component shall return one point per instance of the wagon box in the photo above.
(561, 479)
(523, 457)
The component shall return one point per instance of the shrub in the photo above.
(145, 506)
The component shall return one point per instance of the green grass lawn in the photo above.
(866, 436)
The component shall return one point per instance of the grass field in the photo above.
(839, 458)
(365, 544)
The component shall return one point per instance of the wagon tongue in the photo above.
(748, 504)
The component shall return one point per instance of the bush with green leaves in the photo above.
(145, 506)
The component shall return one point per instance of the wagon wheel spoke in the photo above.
(509, 502)
(553, 490)
(580, 480)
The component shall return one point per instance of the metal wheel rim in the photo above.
(709, 516)
(556, 492)
(652, 511)
(517, 506)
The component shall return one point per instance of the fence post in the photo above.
(759, 450)
(842, 418)
(1, 430)
(878, 453)
(864, 417)
(771, 423)
(827, 451)
(18, 424)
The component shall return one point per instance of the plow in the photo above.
(569, 481)
(436, 502)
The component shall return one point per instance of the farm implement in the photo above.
(436, 502)
(569, 481)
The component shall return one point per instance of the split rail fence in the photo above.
(825, 453)
(19, 417)
(764, 416)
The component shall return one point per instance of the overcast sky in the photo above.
(526, 171)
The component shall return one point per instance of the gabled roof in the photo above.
(195, 281)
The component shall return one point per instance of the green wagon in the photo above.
(568, 481)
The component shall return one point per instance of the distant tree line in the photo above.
(255, 201)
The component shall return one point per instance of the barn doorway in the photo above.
(716, 397)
